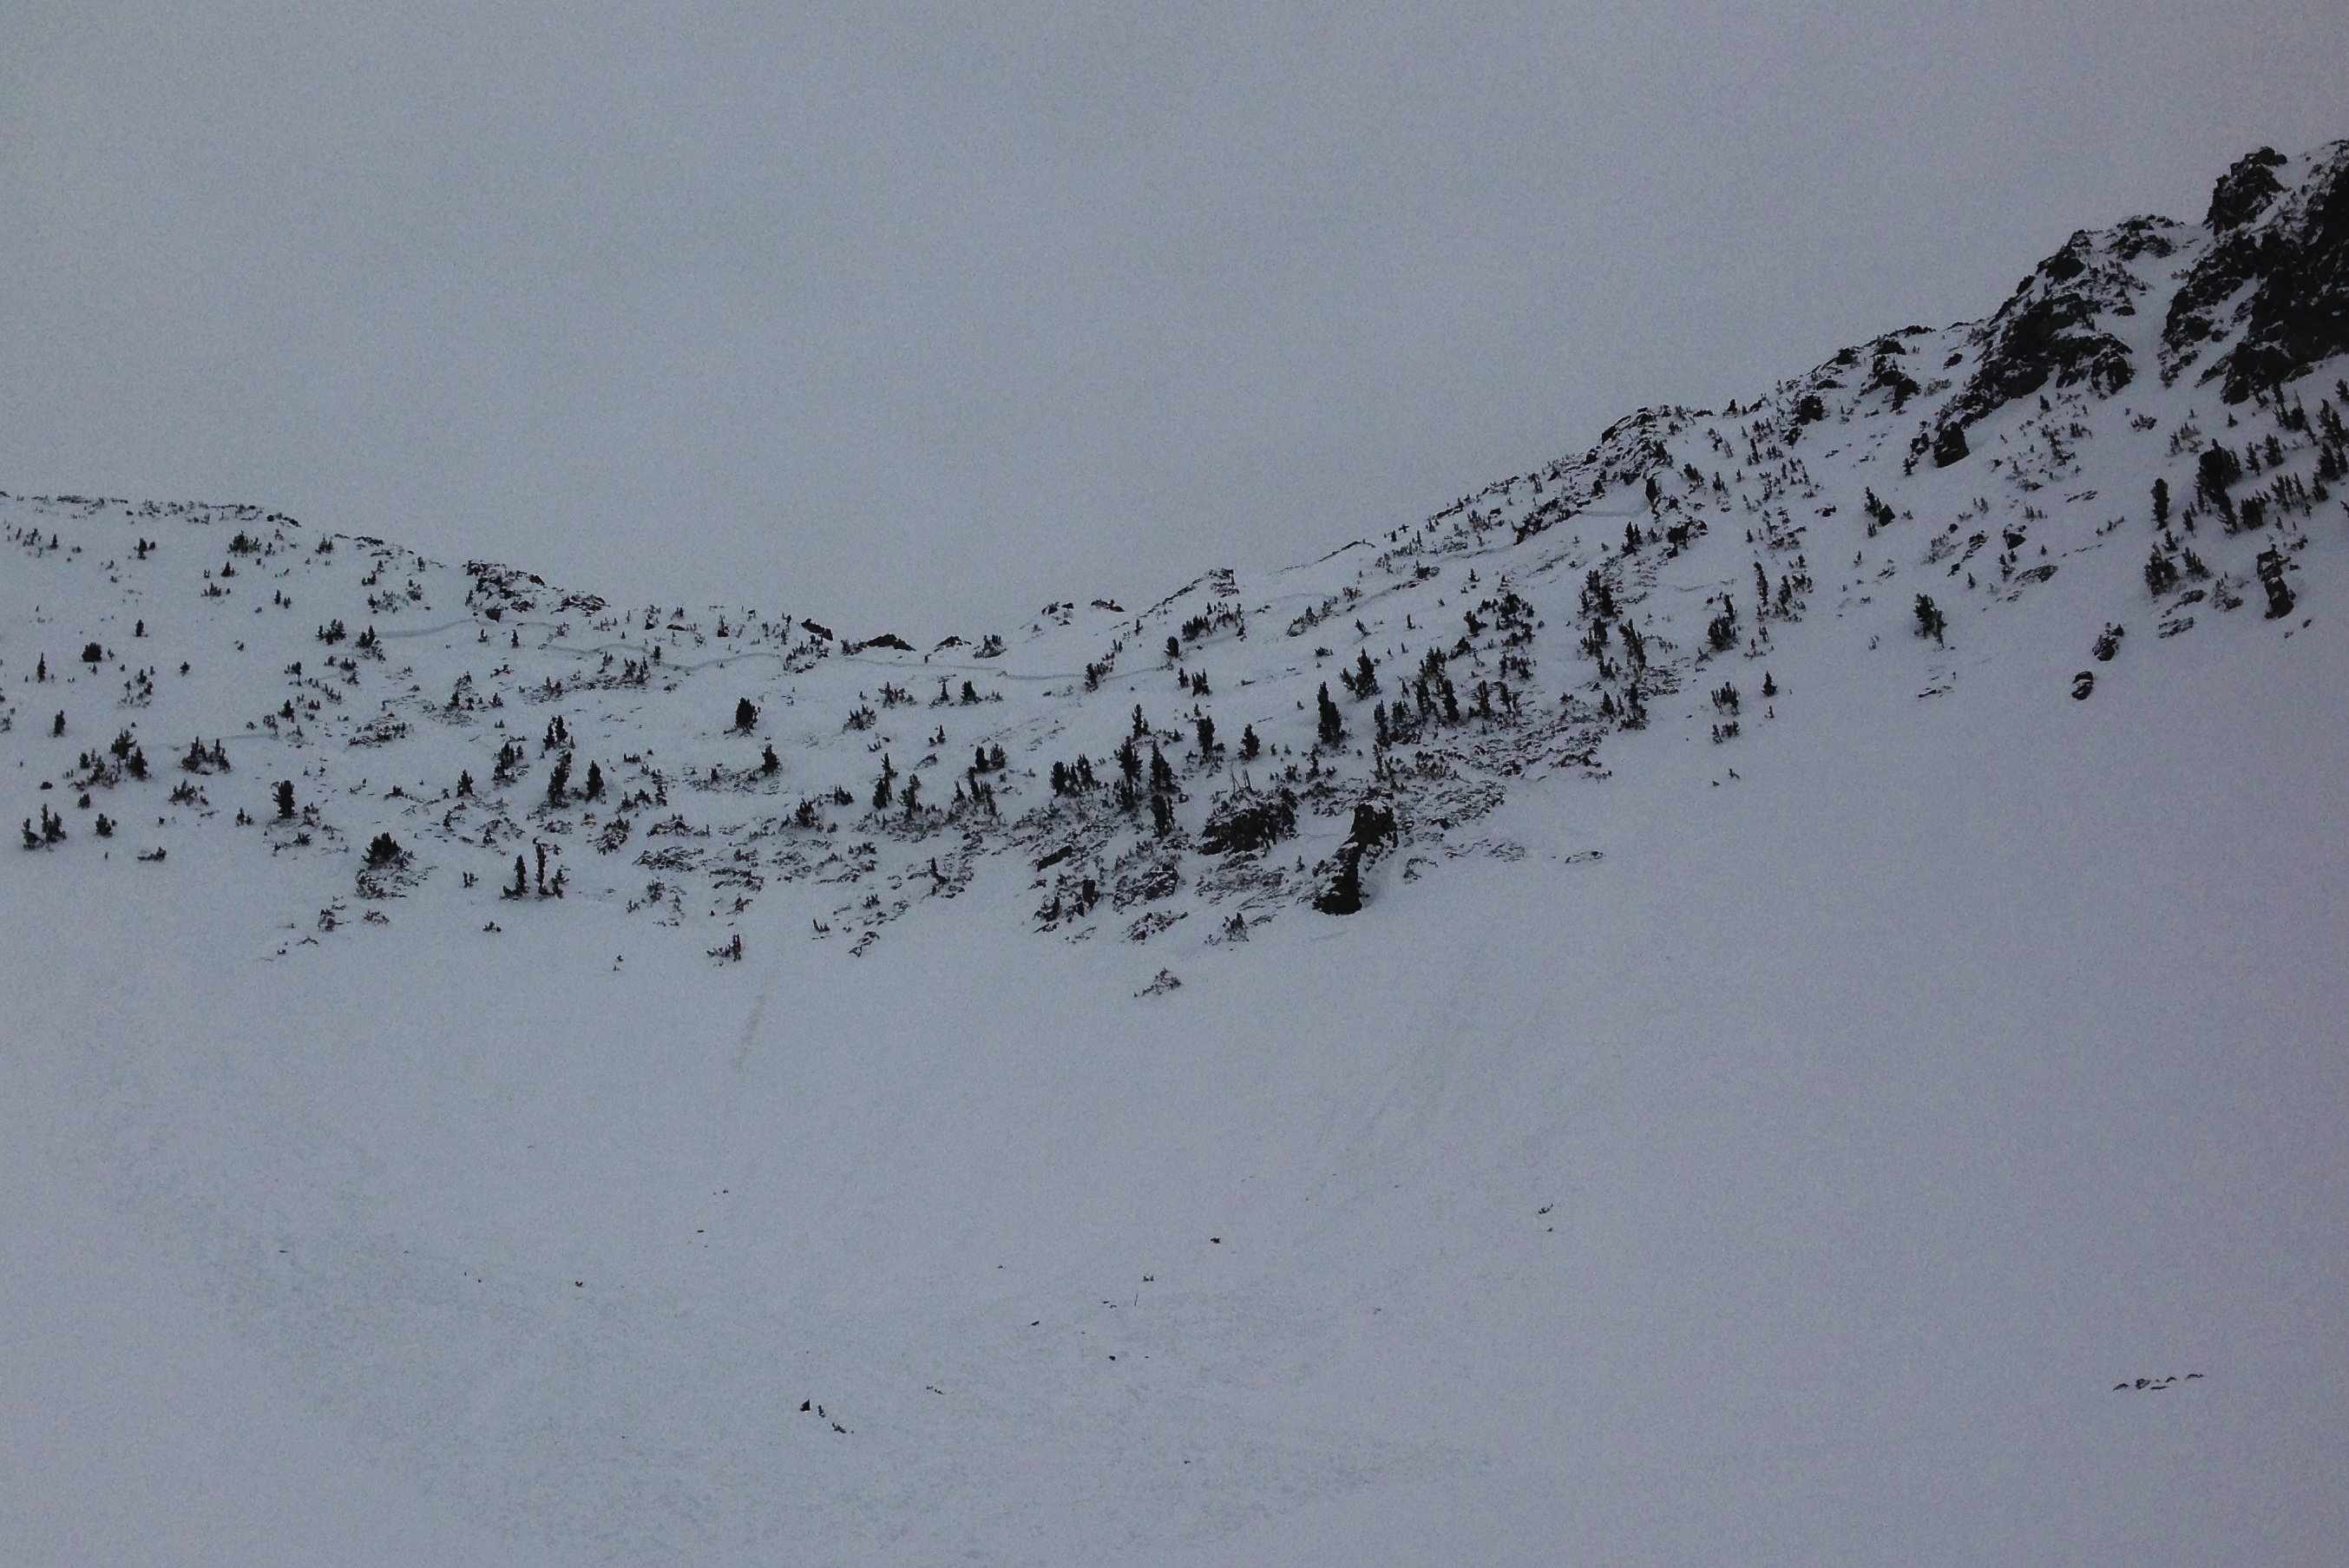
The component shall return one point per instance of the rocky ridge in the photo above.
(2159, 406)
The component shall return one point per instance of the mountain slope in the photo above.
(1786, 1059)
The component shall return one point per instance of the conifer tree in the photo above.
(1931, 622)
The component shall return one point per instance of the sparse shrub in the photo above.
(1247, 820)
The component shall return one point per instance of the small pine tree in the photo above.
(746, 715)
(1207, 725)
(1332, 725)
(558, 782)
(2160, 503)
(285, 793)
(595, 778)
(1931, 622)
(1249, 744)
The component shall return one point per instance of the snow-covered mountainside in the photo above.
(1240, 747)
(447, 975)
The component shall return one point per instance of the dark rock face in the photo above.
(2048, 330)
(2244, 191)
(2276, 278)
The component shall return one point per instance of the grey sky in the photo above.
(919, 316)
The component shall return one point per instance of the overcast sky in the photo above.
(917, 316)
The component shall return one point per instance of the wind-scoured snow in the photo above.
(1768, 990)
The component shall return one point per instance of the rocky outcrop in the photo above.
(2271, 292)
(2049, 331)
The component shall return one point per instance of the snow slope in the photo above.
(1776, 1084)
